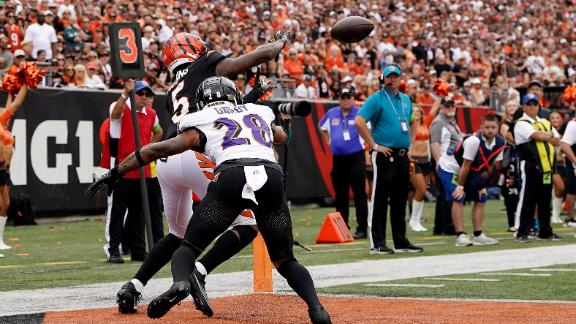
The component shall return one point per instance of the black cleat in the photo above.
(198, 292)
(115, 258)
(160, 305)
(127, 299)
(319, 315)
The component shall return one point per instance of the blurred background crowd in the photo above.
(481, 48)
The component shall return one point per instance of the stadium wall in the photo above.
(57, 148)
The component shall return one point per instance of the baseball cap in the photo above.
(447, 101)
(347, 91)
(140, 84)
(19, 52)
(392, 69)
(537, 83)
(529, 97)
(307, 77)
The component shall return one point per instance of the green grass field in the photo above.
(520, 284)
(67, 254)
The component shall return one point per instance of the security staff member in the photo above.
(535, 139)
(127, 193)
(348, 164)
(390, 114)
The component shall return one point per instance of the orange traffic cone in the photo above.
(334, 230)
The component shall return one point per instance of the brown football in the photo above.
(351, 29)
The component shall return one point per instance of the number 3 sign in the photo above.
(126, 50)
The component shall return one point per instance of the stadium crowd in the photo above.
(471, 44)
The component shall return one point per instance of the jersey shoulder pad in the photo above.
(196, 119)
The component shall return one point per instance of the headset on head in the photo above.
(381, 77)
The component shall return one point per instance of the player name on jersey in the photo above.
(227, 110)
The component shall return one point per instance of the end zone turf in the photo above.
(275, 308)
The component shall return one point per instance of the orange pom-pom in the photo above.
(32, 74)
(403, 87)
(441, 88)
(11, 84)
(569, 95)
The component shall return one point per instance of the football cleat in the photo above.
(319, 315)
(128, 298)
(160, 305)
(198, 292)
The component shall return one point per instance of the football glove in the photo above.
(106, 181)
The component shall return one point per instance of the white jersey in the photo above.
(233, 132)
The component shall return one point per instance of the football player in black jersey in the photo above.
(187, 58)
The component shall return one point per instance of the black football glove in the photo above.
(262, 83)
(106, 181)
(284, 36)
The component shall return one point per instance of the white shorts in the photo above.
(180, 176)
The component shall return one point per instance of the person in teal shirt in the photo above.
(390, 115)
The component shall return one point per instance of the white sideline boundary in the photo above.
(239, 283)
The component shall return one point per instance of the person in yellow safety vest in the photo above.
(535, 139)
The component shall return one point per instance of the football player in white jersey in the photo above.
(239, 138)
(190, 62)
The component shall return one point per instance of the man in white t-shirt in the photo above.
(305, 90)
(568, 145)
(42, 36)
(465, 176)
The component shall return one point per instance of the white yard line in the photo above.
(519, 274)
(554, 270)
(464, 279)
(405, 285)
(373, 270)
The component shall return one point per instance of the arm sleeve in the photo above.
(369, 107)
(570, 133)
(471, 146)
(522, 132)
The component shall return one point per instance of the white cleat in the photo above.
(4, 246)
(417, 227)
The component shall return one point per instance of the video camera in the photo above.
(294, 108)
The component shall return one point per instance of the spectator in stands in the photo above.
(6, 56)
(93, 79)
(348, 164)
(74, 37)
(152, 78)
(42, 36)
(80, 78)
(306, 89)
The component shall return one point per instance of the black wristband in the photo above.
(139, 158)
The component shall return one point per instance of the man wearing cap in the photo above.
(127, 193)
(444, 137)
(535, 139)
(305, 90)
(537, 88)
(93, 79)
(348, 163)
(390, 114)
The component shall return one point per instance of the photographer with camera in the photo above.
(348, 163)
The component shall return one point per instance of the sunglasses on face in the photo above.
(145, 94)
(344, 97)
(532, 103)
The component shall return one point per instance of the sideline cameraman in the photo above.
(348, 164)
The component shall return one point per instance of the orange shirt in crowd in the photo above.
(294, 67)
(356, 69)
(425, 98)
(15, 36)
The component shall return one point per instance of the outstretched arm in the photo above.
(188, 139)
(263, 53)
(15, 104)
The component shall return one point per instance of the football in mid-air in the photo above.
(351, 29)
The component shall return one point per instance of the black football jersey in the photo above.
(182, 92)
